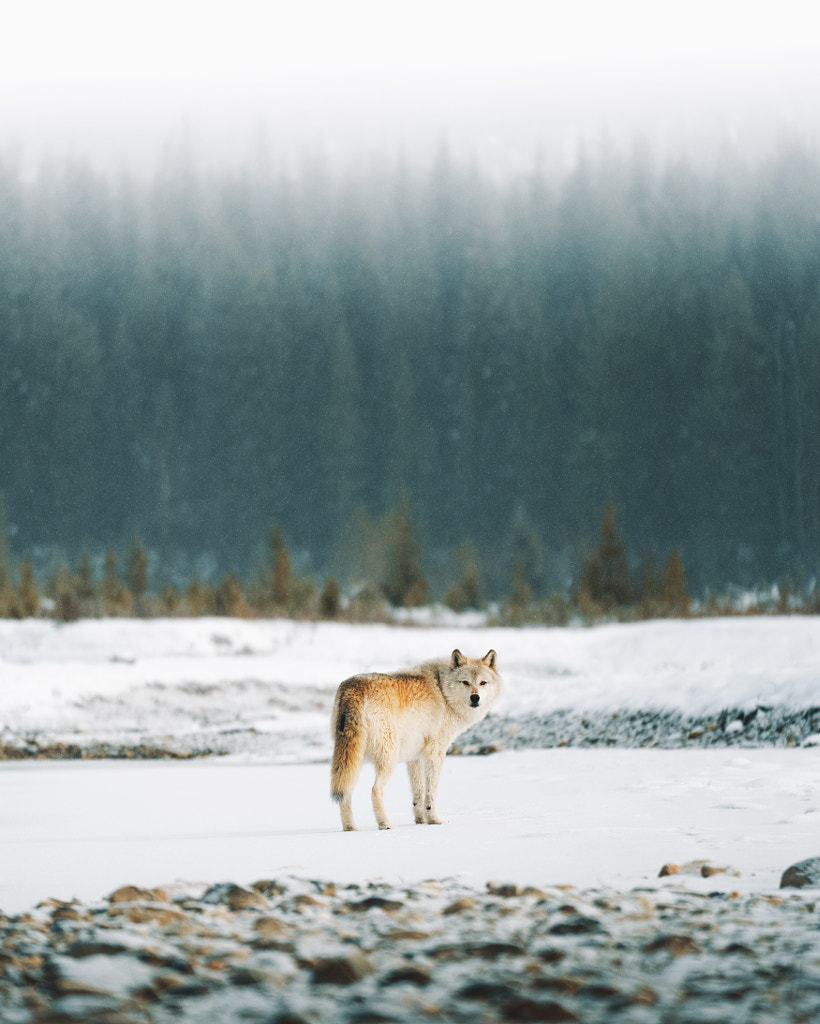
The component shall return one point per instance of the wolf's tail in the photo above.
(349, 742)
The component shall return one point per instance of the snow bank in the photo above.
(128, 680)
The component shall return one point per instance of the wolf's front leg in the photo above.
(432, 772)
(415, 769)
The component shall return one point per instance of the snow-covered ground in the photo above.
(544, 817)
(538, 817)
(267, 687)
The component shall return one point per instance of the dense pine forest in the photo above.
(193, 358)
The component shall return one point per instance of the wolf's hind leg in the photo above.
(415, 769)
(346, 808)
(384, 769)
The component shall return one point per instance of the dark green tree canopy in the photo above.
(192, 358)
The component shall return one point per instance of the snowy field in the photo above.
(266, 688)
(262, 691)
(577, 817)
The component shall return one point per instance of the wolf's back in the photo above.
(348, 738)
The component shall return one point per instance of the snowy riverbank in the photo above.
(264, 689)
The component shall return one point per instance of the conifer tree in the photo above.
(9, 603)
(196, 598)
(113, 593)
(63, 590)
(229, 598)
(360, 556)
(606, 580)
(29, 592)
(137, 570)
(4, 536)
(466, 593)
(281, 579)
(170, 599)
(527, 552)
(330, 598)
(403, 582)
(648, 587)
(8, 597)
(520, 595)
(675, 597)
(85, 581)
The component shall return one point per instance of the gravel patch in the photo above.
(762, 726)
(733, 727)
(284, 951)
(33, 750)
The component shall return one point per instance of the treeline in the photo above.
(608, 587)
(193, 357)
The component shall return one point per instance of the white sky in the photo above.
(113, 80)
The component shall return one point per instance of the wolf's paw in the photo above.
(384, 827)
(434, 819)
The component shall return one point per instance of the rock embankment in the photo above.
(732, 727)
(32, 750)
(289, 952)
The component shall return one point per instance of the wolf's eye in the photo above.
(465, 682)
(483, 682)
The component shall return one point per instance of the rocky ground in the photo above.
(291, 951)
(756, 727)
(732, 727)
(31, 749)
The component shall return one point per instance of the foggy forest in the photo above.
(197, 355)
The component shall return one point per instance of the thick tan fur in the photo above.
(410, 716)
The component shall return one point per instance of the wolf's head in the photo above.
(471, 685)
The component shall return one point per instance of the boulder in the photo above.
(504, 889)
(460, 905)
(135, 893)
(577, 924)
(408, 974)
(270, 887)
(342, 970)
(674, 945)
(163, 917)
(806, 873)
(272, 927)
(235, 897)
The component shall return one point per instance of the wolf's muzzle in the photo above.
(474, 699)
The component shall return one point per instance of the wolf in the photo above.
(412, 716)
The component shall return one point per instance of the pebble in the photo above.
(703, 868)
(316, 953)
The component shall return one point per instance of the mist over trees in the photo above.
(196, 357)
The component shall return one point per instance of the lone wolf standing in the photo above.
(410, 716)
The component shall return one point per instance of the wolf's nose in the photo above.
(474, 699)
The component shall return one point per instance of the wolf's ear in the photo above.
(458, 658)
(489, 659)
